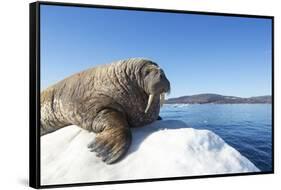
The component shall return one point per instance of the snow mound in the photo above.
(167, 148)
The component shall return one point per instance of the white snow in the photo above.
(162, 149)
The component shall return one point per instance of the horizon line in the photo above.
(220, 95)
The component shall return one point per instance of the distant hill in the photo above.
(218, 99)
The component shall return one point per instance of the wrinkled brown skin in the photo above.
(108, 100)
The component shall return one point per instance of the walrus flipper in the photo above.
(114, 139)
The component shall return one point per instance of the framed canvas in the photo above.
(98, 80)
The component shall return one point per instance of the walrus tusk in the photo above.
(150, 99)
(162, 99)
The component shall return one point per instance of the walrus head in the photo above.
(156, 84)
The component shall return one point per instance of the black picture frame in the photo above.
(34, 92)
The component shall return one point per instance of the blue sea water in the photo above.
(246, 127)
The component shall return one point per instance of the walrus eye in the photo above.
(147, 72)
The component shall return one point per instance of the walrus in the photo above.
(108, 100)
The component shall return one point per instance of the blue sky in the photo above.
(199, 53)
